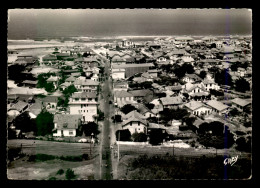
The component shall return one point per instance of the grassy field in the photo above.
(25, 169)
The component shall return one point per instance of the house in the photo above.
(126, 43)
(135, 124)
(153, 73)
(133, 113)
(54, 80)
(84, 103)
(66, 125)
(145, 111)
(29, 83)
(118, 74)
(240, 104)
(171, 102)
(153, 126)
(198, 108)
(35, 109)
(210, 84)
(70, 79)
(191, 78)
(86, 85)
(218, 107)
(123, 97)
(17, 108)
(195, 91)
(50, 102)
(141, 94)
(120, 86)
(88, 71)
(64, 85)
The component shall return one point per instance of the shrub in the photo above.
(13, 153)
(70, 174)
(52, 178)
(60, 171)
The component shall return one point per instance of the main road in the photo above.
(105, 157)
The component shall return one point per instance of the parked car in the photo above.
(83, 140)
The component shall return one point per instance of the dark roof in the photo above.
(67, 121)
(141, 92)
(49, 99)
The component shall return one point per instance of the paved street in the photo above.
(105, 157)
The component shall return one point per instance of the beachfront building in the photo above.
(66, 125)
(84, 103)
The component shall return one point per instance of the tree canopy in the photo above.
(215, 134)
(89, 128)
(222, 77)
(203, 74)
(128, 108)
(241, 85)
(44, 123)
(125, 135)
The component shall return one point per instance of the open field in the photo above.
(33, 147)
(21, 169)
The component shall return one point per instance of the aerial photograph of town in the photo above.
(129, 94)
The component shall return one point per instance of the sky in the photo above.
(31, 23)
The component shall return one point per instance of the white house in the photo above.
(123, 97)
(135, 124)
(210, 84)
(84, 103)
(66, 125)
(218, 107)
(198, 108)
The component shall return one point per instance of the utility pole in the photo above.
(118, 154)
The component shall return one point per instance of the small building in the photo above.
(66, 125)
(172, 102)
(240, 104)
(218, 107)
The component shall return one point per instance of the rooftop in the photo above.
(217, 105)
(171, 100)
(193, 105)
(67, 121)
(241, 102)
